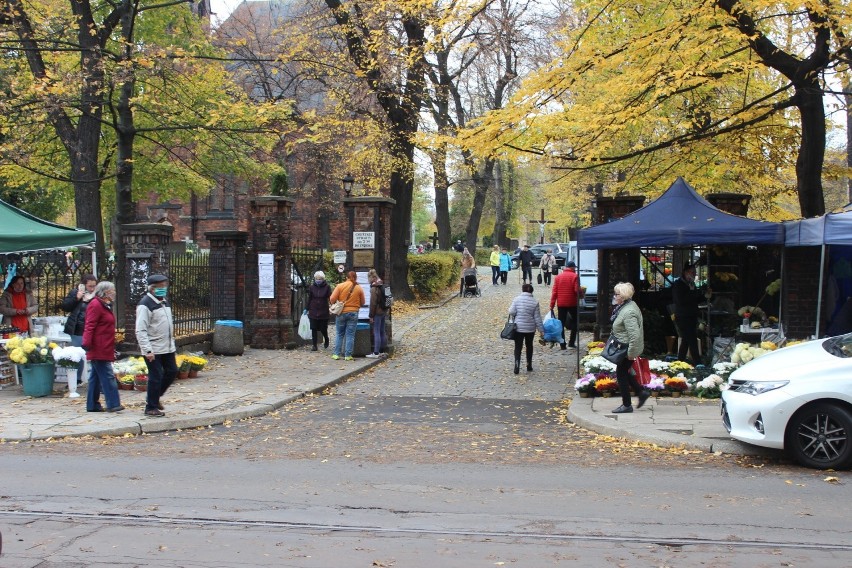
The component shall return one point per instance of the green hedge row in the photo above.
(431, 273)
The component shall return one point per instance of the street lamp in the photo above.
(348, 182)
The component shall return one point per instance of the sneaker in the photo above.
(335, 357)
(348, 358)
(154, 412)
(372, 355)
(314, 348)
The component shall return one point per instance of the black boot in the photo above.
(517, 366)
(529, 366)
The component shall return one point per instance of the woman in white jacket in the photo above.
(527, 313)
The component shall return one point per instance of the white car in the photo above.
(797, 398)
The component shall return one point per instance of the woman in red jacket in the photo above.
(99, 343)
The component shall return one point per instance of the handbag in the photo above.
(337, 307)
(539, 277)
(509, 329)
(614, 351)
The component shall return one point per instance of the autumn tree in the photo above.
(666, 87)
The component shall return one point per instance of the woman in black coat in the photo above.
(318, 294)
(75, 303)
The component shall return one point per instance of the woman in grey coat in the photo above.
(527, 315)
(627, 328)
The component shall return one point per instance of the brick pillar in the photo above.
(733, 203)
(228, 274)
(269, 320)
(614, 265)
(146, 252)
(367, 215)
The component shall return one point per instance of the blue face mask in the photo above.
(319, 282)
(161, 292)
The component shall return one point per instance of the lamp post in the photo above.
(348, 182)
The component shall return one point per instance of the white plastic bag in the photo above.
(305, 326)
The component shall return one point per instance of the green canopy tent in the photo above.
(22, 232)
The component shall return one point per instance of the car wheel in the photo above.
(820, 436)
(514, 265)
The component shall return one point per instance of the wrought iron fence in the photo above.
(304, 262)
(190, 285)
(50, 276)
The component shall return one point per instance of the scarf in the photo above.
(19, 302)
(617, 309)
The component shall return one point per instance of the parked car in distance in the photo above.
(557, 249)
(798, 399)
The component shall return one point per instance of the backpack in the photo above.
(387, 296)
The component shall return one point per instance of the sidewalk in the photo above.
(261, 381)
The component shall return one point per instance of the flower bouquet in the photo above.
(125, 382)
(585, 385)
(68, 357)
(606, 386)
(657, 384)
(710, 387)
(676, 385)
(30, 351)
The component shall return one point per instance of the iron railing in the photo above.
(190, 284)
(304, 262)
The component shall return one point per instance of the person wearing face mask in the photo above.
(76, 303)
(155, 332)
(99, 343)
(686, 299)
(318, 294)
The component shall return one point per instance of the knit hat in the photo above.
(319, 275)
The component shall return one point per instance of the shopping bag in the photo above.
(305, 326)
(642, 369)
(552, 328)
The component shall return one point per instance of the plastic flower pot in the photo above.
(37, 378)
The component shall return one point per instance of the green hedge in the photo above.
(431, 273)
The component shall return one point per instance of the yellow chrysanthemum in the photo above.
(18, 356)
(28, 346)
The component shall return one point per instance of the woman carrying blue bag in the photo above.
(527, 314)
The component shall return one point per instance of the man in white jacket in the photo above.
(155, 333)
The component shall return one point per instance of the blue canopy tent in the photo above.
(830, 229)
(679, 217)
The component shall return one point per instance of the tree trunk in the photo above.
(401, 190)
(442, 197)
(809, 98)
(500, 220)
(847, 97)
(481, 182)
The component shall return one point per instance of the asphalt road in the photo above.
(437, 457)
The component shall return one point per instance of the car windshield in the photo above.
(840, 346)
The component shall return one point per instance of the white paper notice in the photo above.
(266, 275)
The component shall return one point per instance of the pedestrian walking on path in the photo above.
(527, 313)
(99, 343)
(155, 332)
(627, 328)
(565, 295)
(494, 260)
(318, 294)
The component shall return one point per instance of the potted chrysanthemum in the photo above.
(585, 385)
(34, 357)
(68, 360)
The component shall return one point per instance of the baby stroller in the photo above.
(469, 284)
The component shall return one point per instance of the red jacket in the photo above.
(99, 333)
(566, 290)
